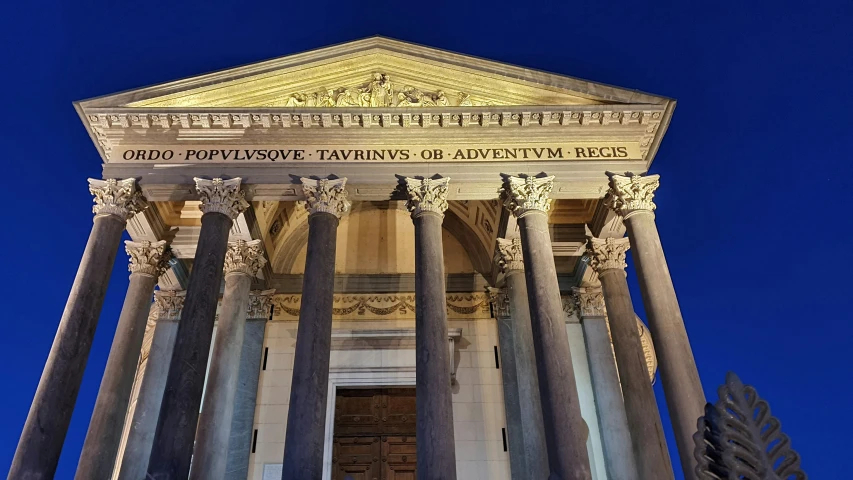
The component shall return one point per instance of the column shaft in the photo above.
(685, 397)
(172, 450)
(565, 430)
(512, 401)
(104, 435)
(50, 413)
(140, 438)
(306, 417)
(214, 429)
(436, 446)
(533, 430)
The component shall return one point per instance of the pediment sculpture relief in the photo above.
(379, 92)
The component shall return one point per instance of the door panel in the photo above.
(356, 458)
(399, 458)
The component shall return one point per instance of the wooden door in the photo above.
(374, 435)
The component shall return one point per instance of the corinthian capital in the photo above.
(427, 195)
(116, 197)
(169, 304)
(589, 302)
(509, 256)
(607, 253)
(260, 302)
(326, 196)
(633, 194)
(244, 257)
(523, 195)
(147, 258)
(221, 196)
(499, 299)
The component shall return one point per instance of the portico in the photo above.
(336, 218)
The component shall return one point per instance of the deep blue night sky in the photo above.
(754, 207)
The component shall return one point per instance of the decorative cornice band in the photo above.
(509, 256)
(221, 196)
(116, 197)
(169, 304)
(607, 253)
(326, 196)
(633, 194)
(524, 195)
(400, 306)
(245, 258)
(427, 196)
(260, 303)
(147, 258)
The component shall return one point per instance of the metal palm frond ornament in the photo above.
(739, 439)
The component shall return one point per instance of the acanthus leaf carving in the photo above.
(427, 195)
(169, 304)
(221, 196)
(630, 194)
(607, 253)
(523, 195)
(589, 302)
(260, 303)
(326, 196)
(148, 258)
(509, 255)
(499, 299)
(244, 257)
(116, 197)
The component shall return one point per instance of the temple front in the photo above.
(374, 261)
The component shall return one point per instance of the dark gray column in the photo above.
(243, 418)
(565, 430)
(147, 263)
(140, 436)
(436, 447)
(607, 258)
(512, 406)
(243, 260)
(221, 201)
(612, 419)
(50, 413)
(532, 449)
(306, 417)
(685, 397)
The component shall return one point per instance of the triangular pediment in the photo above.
(375, 72)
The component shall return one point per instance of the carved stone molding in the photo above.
(260, 302)
(427, 195)
(589, 302)
(633, 194)
(169, 304)
(221, 196)
(326, 196)
(607, 253)
(523, 195)
(399, 306)
(148, 258)
(509, 255)
(116, 197)
(500, 302)
(246, 258)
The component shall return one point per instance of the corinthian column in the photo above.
(50, 413)
(565, 431)
(243, 260)
(530, 453)
(427, 201)
(306, 417)
(147, 262)
(632, 199)
(140, 435)
(221, 202)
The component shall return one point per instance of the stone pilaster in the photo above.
(47, 423)
(306, 418)
(565, 431)
(134, 458)
(243, 261)
(148, 261)
(607, 258)
(245, 399)
(528, 456)
(221, 202)
(632, 197)
(427, 201)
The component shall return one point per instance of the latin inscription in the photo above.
(234, 154)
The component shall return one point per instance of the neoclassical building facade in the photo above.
(375, 260)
